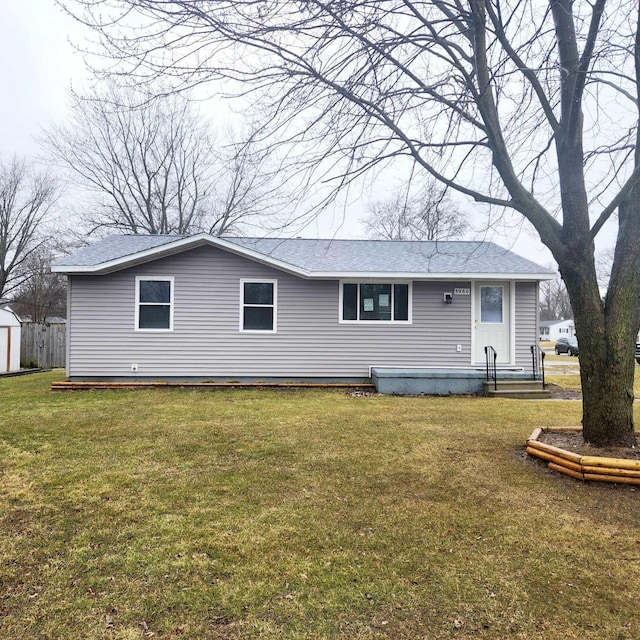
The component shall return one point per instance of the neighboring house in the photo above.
(9, 341)
(551, 330)
(209, 308)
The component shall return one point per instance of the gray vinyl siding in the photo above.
(526, 321)
(206, 342)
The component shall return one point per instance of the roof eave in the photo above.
(421, 275)
(354, 275)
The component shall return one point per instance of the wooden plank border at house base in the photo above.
(66, 385)
(594, 468)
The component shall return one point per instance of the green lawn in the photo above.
(301, 514)
(572, 380)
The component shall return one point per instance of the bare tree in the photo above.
(26, 197)
(526, 106)
(43, 294)
(429, 215)
(249, 189)
(554, 300)
(152, 166)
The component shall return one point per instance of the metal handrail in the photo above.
(490, 356)
(537, 358)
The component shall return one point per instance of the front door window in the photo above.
(491, 305)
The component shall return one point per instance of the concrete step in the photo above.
(521, 389)
(514, 384)
(518, 394)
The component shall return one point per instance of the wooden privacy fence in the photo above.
(43, 345)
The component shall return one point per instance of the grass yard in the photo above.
(193, 514)
(571, 380)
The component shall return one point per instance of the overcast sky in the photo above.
(38, 65)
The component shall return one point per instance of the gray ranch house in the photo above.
(246, 309)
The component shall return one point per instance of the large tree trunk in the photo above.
(606, 343)
(607, 373)
(607, 330)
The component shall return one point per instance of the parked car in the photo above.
(567, 345)
(638, 352)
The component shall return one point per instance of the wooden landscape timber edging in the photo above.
(596, 468)
(65, 385)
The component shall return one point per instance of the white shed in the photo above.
(9, 341)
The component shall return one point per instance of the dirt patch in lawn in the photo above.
(572, 441)
(562, 393)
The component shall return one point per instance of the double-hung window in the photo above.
(375, 302)
(258, 304)
(154, 303)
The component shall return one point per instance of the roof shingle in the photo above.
(333, 256)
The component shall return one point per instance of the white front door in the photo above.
(492, 320)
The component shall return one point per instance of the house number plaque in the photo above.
(462, 292)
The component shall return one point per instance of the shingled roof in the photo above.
(317, 258)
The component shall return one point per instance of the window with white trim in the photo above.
(375, 302)
(154, 303)
(258, 300)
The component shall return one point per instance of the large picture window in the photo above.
(375, 302)
(258, 305)
(154, 304)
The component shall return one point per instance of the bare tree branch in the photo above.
(26, 198)
(429, 214)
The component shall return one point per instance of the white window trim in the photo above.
(140, 279)
(274, 282)
(409, 283)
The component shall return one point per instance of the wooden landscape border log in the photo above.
(556, 451)
(600, 477)
(549, 457)
(535, 435)
(615, 463)
(596, 468)
(566, 471)
(611, 471)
